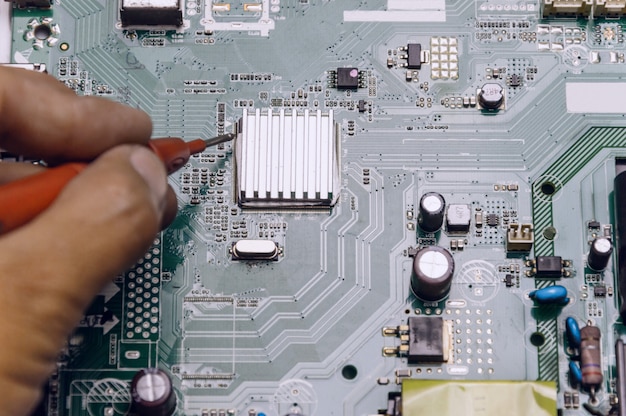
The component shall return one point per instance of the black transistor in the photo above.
(599, 291)
(593, 225)
(509, 281)
(425, 340)
(414, 56)
(347, 78)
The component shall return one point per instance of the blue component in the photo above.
(575, 374)
(551, 295)
(260, 414)
(573, 332)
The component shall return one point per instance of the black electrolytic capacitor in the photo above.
(431, 212)
(152, 393)
(599, 254)
(433, 267)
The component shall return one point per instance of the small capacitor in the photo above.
(551, 295)
(590, 357)
(599, 254)
(152, 393)
(431, 212)
(576, 376)
(433, 268)
(572, 330)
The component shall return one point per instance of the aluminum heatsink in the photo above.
(287, 159)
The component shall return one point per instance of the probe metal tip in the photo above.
(214, 141)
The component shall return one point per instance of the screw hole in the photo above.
(43, 32)
(349, 372)
(537, 339)
(548, 188)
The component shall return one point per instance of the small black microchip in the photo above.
(593, 225)
(549, 266)
(515, 80)
(425, 339)
(508, 280)
(361, 105)
(599, 291)
(347, 78)
(414, 56)
(492, 220)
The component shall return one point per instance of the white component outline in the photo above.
(263, 25)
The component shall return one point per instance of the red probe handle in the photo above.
(24, 199)
(175, 152)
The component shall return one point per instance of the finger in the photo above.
(11, 171)
(67, 127)
(171, 208)
(102, 222)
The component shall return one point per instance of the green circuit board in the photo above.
(419, 195)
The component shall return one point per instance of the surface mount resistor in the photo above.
(567, 400)
(478, 219)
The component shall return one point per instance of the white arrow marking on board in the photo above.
(109, 291)
(93, 321)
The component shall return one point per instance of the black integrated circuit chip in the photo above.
(347, 78)
(549, 266)
(492, 220)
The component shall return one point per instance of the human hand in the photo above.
(102, 222)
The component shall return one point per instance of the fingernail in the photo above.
(151, 169)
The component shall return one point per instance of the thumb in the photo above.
(101, 223)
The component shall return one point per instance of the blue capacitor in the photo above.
(551, 295)
(575, 374)
(572, 330)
